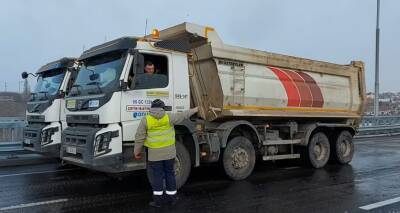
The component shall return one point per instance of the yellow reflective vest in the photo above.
(160, 133)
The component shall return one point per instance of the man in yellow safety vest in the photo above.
(156, 132)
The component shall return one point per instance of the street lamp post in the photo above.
(376, 98)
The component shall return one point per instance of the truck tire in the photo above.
(182, 165)
(318, 150)
(343, 147)
(239, 158)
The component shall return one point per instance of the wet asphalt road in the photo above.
(372, 176)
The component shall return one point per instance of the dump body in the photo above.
(232, 81)
(229, 81)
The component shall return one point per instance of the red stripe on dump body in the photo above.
(292, 91)
(301, 89)
(318, 99)
(304, 90)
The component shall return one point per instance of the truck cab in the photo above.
(110, 96)
(45, 109)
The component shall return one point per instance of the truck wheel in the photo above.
(239, 158)
(182, 165)
(318, 150)
(343, 147)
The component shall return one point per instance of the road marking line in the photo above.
(20, 206)
(32, 173)
(380, 204)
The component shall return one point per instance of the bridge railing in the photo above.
(380, 121)
(372, 125)
(11, 133)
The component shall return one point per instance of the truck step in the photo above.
(281, 157)
(281, 142)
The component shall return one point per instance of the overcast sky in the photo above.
(35, 32)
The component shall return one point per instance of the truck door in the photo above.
(143, 88)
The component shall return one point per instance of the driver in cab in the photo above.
(150, 78)
(149, 68)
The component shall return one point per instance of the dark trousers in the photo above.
(160, 172)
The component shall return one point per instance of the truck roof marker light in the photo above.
(207, 30)
(155, 34)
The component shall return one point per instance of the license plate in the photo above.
(71, 150)
(27, 141)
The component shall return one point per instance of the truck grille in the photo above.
(80, 139)
(30, 134)
(83, 119)
(33, 133)
(75, 141)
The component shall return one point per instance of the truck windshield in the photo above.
(48, 84)
(99, 74)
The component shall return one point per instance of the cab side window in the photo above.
(154, 74)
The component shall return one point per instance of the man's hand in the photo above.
(196, 109)
(138, 156)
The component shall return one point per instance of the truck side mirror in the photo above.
(138, 63)
(24, 75)
(124, 86)
(137, 69)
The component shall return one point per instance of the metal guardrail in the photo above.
(372, 125)
(379, 130)
(380, 121)
(11, 133)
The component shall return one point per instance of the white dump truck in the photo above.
(253, 104)
(45, 109)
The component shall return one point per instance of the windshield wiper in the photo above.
(90, 69)
(33, 96)
(77, 89)
(45, 95)
(35, 108)
(97, 84)
(83, 105)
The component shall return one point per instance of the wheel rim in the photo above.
(240, 158)
(344, 148)
(319, 151)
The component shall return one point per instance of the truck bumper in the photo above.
(32, 141)
(77, 148)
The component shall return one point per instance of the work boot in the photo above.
(172, 199)
(157, 201)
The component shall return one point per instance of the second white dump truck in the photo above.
(45, 109)
(253, 104)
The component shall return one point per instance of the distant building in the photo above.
(12, 104)
(389, 103)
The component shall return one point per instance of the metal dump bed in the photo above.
(229, 81)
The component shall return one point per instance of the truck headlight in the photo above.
(102, 142)
(46, 135)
